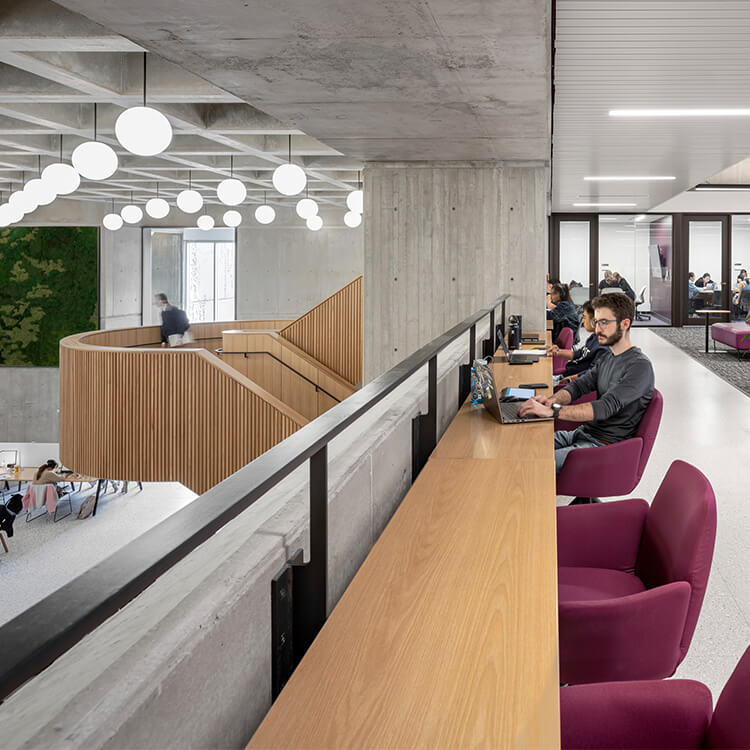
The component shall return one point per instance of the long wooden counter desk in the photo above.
(447, 635)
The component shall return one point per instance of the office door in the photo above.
(573, 253)
(708, 252)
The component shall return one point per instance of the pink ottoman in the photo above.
(732, 334)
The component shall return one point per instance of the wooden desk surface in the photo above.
(27, 474)
(447, 635)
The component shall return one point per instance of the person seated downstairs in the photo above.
(622, 377)
(584, 354)
(561, 311)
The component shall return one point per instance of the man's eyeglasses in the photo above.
(603, 322)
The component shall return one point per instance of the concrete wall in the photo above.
(120, 265)
(29, 404)
(285, 269)
(441, 241)
(188, 663)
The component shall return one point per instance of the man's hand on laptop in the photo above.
(539, 406)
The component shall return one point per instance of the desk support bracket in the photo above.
(424, 426)
(299, 592)
(464, 371)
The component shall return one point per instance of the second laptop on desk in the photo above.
(504, 411)
(517, 358)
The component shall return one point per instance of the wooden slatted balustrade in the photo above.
(332, 332)
(132, 412)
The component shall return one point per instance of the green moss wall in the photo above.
(48, 290)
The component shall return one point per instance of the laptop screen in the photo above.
(502, 342)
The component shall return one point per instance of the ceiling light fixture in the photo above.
(314, 223)
(16, 201)
(289, 179)
(61, 177)
(131, 213)
(22, 201)
(190, 201)
(40, 191)
(306, 207)
(640, 217)
(205, 222)
(232, 218)
(604, 205)
(231, 192)
(355, 199)
(723, 188)
(265, 214)
(94, 160)
(112, 221)
(157, 208)
(623, 178)
(352, 219)
(144, 131)
(681, 112)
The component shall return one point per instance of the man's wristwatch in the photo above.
(556, 410)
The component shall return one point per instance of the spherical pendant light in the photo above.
(94, 160)
(355, 201)
(61, 178)
(144, 131)
(289, 179)
(5, 212)
(22, 201)
(157, 208)
(112, 222)
(190, 201)
(314, 223)
(232, 218)
(265, 214)
(306, 207)
(205, 222)
(131, 214)
(16, 214)
(231, 192)
(41, 193)
(352, 219)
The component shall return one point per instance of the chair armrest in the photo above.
(644, 713)
(604, 535)
(632, 637)
(564, 424)
(601, 472)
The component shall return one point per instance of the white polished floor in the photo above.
(45, 555)
(706, 421)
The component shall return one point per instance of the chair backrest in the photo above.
(744, 301)
(639, 300)
(730, 725)
(678, 538)
(648, 428)
(579, 295)
(565, 339)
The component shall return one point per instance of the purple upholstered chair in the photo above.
(564, 341)
(657, 714)
(631, 580)
(612, 469)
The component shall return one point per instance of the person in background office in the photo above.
(174, 322)
(45, 474)
(742, 284)
(704, 282)
(562, 311)
(692, 293)
(583, 355)
(608, 282)
(622, 377)
(619, 281)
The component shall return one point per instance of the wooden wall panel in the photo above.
(332, 332)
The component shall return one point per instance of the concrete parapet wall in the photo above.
(187, 664)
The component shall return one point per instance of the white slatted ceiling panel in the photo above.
(646, 54)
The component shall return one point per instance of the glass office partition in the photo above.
(575, 255)
(705, 260)
(740, 263)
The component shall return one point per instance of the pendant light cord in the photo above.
(231, 165)
(94, 120)
(61, 137)
(144, 78)
(190, 179)
(290, 148)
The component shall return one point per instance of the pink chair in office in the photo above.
(631, 580)
(615, 469)
(657, 714)
(564, 341)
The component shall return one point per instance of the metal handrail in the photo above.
(34, 639)
(220, 351)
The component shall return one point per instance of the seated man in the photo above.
(623, 378)
(584, 354)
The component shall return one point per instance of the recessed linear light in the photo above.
(604, 205)
(676, 112)
(641, 217)
(722, 188)
(614, 178)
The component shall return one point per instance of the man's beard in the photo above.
(613, 339)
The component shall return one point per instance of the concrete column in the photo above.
(442, 241)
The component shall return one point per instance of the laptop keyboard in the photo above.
(509, 410)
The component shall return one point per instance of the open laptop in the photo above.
(516, 358)
(503, 411)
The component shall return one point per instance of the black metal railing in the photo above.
(41, 634)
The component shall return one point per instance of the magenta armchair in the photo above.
(564, 341)
(657, 714)
(631, 580)
(612, 469)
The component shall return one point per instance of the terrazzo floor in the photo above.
(45, 555)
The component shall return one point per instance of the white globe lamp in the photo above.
(112, 222)
(61, 178)
(231, 192)
(232, 218)
(22, 201)
(289, 179)
(355, 201)
(39, 192)
(352, 219)
(265, 214)
(205, 222)
(131, 214)
(16, 214)
(314, 223)
(306, 208)
(190, 201)
(157, 208)
(144, 131)
(5, 215)
(94, 160)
